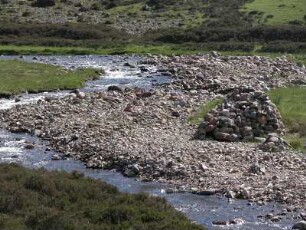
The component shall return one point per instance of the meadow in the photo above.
(291, 103)
(277, 12)
(18, 76)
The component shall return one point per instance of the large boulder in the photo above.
(244, 114)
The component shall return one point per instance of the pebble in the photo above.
(55, 157)
(219, 222)
(29, 146)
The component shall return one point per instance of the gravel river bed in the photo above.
(212, 211)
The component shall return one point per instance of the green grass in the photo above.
(191, 20)
(18, 76)
(47, 50)
(197, 117)
(165, 49)
(296, 141)
(37, 199)
(298, 58)
(291, 102)
(127, 9)
(281, 11)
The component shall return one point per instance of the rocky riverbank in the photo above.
(221, 74)
(146, 133)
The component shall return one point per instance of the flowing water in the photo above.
(202, 209)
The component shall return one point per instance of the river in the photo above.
(125, 72)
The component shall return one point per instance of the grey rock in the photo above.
(203, 167)
(225, 112)
(56, 157)
(236, 221)
(301, 225)
(129, 65)
(219, 222)
(208, 192)
(175, 114)
(81, 95)
(273, 139)
(259, 139)
(215, 54)
(230, 194)
(171, 190)
(29, 146)
(114, 88)
(129, 173)
(17, 99)
(222, 136)
(50, 98)
(256, 169)
(276, 218)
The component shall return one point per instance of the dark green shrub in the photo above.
(56, 200)
(95, 6)
(26, 14)
(34, 182)
(5, 1)
(45, 3)
(296, 22)
(253, 12)
(46, 218)
(284, 46)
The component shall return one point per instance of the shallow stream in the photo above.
(202, 209)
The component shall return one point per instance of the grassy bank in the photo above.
(162, 49)
(56, 200)
(165, 49)
(291, 102)
(18, 76)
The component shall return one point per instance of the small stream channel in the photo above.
(202, 209)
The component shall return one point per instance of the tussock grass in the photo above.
(197, 117)
(18, 76)
(37, 199)
(291, 102)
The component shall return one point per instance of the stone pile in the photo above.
(244, 114)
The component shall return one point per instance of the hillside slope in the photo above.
(245, 25)
(134, 16)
